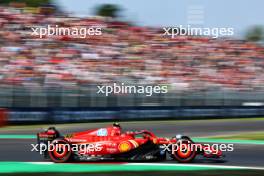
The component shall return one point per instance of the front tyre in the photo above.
(183, 151)
(60, 151)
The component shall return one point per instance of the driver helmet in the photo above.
(116, 125)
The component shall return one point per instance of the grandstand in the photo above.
(64, 70)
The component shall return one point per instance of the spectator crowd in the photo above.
(123, 53)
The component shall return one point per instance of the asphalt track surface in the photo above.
(243, 154)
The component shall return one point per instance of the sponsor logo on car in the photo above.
(124, 146)
(102, 132)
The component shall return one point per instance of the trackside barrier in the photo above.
(68, 115)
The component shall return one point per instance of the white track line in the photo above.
(44, 163)
(172, 165)
(198, 165)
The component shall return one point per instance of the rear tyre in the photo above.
(60, 151)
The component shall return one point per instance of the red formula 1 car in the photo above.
(110, 143)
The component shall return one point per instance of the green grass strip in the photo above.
(19, 167)
(17, 136)
(204, 140)
(230, 141)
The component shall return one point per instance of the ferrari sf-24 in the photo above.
(111, 144)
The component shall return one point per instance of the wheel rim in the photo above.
(61, 152)
(184, 151)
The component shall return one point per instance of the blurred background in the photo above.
(55, 78)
